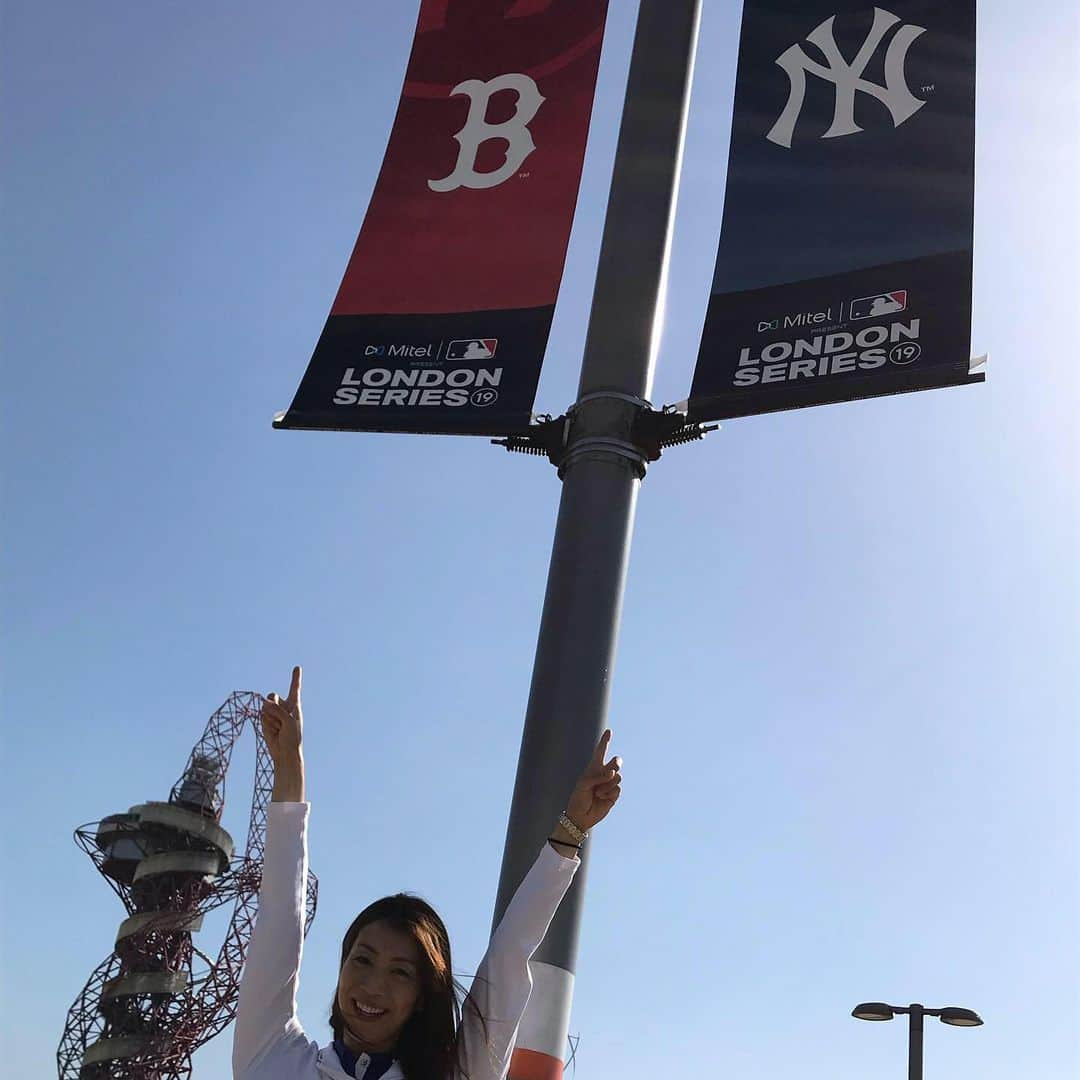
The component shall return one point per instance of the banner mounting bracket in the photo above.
(651, 433)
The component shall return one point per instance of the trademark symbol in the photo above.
(524, 175)
(928, 89)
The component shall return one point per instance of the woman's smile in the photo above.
(368, 1012)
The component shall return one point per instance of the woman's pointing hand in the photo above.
(283, 730)
(597, 789)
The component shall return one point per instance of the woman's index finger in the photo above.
(601, 750)
(294, 686)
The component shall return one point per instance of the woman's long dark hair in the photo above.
(428, 1044)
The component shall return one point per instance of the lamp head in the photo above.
(873, 1010)
(960, 1017)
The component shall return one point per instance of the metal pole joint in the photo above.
(606, 425)
(601, 428)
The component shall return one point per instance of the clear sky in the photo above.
(847, 686)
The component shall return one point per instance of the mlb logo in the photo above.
(472, 349)
(870, 307)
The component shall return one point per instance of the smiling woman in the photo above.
(380, 983)
(397, 1013)
(395, 993)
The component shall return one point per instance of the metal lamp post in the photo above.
(956, 1017)
(602, 464)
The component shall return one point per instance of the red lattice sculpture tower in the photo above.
(158, 997)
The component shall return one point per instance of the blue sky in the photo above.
(846, 691)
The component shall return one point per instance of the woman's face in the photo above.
(379, 987)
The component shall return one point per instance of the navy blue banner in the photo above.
(844, 268)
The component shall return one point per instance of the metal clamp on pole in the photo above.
(613, 395)
(649, 432)
(601, 427)
(600, 445)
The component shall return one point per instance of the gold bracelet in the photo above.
(571, 828)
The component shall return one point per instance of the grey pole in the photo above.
(601, 469)
(915, 1042)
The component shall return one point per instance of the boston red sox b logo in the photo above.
(514, 132)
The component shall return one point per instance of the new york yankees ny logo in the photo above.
(847, 78)
(477, 131)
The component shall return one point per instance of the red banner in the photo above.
(453, 280)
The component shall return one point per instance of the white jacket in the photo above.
(268, 1041)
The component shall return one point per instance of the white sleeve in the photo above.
(266, 1011)
(501, 988)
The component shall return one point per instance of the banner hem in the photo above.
(717, 408)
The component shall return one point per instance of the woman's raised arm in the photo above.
(500, 991)
(266, 1011)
